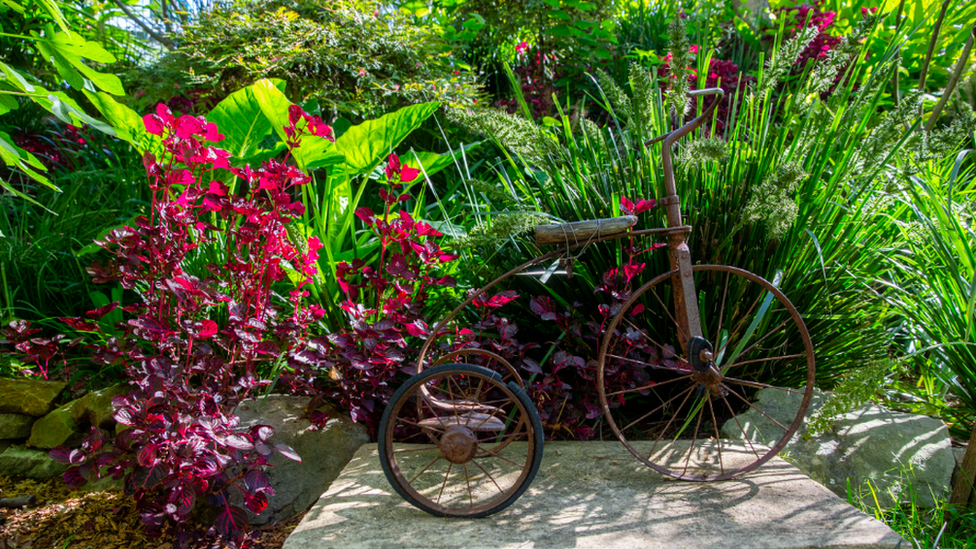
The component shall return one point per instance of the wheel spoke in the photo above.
(446, 476)
(760, 340)
(668, 310)
(503, 458)
(721, 311)
(411, 450)
(662, 347)
(651, 386)
(694, 437)
(422, 471)
(663, 404)
(741, 428)
(670, 421)
(770, 359)
(646, 364)
(718, 437)
(491, 478)
(467, 480)
(425, 427)
(758, 385)
(743, 399)
(739, 326)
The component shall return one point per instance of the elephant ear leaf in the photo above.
(241, 120)
(66, 51)
(314, 152)
(367, 144)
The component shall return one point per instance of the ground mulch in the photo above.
(76, 519)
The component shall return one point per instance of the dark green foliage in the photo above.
(42, 274)
(351, 56)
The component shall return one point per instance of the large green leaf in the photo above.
(314, 152)
(69, 112)
(7, 103)
(16, 157)
(65, 51)
(240, 118)
(367, 144)
(127, 123)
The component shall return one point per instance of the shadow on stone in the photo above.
(597, 495)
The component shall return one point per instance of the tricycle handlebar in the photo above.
(697, 121)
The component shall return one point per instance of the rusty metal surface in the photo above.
(687, 381)
(446, 441)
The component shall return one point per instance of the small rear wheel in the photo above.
(457, 441)
(676, 410)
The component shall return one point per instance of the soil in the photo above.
(77, 519)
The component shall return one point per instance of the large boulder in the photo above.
(324, 451)
(31, 397)
(895, 451)
(56, 429)
(13, 426)
(95, 408)
(35, 464)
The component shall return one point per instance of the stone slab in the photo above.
(597, 495)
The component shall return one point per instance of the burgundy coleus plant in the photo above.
(384, 303)
(208, 264)
(562, 387)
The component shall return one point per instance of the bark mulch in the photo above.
(76, 519)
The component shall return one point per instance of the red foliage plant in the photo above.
(384, 304)
(196, 342)
(563, 392)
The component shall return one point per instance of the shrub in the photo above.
(181, 442)
(352, 56)
(385, 304)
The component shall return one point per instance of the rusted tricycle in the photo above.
(683, 355)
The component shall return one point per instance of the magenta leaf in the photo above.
(256, 502)
(73, 478)
(231, 521)
(256, 479)
(287, 451)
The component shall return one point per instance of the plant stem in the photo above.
(894, 78)
(935, 38)
(166, 42)
(953, 80)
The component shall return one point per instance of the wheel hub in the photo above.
(703, 370)
(458, 444)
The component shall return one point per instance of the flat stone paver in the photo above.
(597, 495)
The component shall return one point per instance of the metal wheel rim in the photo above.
(788, 434)
(489, 506)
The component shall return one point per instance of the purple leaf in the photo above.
(256, 502)
(73, 478)
(61, 454)
(286, 451)
(255, 479)
(231, 521)
(265, 432)
(239, 442)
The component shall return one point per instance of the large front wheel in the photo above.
(673, 398)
